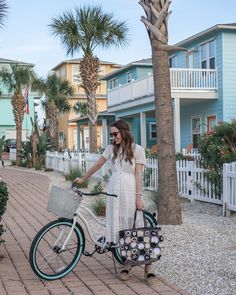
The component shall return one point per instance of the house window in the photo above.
(173, 61)
(113, 83)
(211, 123)
(153, 130)
(128, 77)
(76, 77)
(208, 55)
(196, 131)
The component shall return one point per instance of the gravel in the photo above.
(198, 256)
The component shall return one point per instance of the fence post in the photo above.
(226, 169)
(190, 179)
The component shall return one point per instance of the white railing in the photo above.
(181, 79)
(193, 78)
(192, 182)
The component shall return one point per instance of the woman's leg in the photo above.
(125, 273)
(149, 274)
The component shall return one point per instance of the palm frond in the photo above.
(3, 12)
(87, 28)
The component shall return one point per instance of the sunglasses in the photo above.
(114, 134)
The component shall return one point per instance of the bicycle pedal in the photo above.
(86, 253)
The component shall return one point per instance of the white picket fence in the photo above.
(66, 162)
(192, 182)
(229, 187)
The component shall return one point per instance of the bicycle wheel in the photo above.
(47, 260)
(151, 221)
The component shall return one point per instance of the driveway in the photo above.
(26, 214)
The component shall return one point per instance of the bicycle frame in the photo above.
(79, 217)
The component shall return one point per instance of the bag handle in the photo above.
(135, 216)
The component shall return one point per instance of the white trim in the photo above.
(143, 132)
(207, 53)
(177, 125)
(150, 130)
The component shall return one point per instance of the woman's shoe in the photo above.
(125, 274)
(150, 278)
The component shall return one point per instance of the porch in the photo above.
(136, 99)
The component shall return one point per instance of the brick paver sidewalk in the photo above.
(25, 216)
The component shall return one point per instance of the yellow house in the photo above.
(68, 133)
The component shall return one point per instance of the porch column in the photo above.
(78, 137)
(176, 115)
(104, 133)
(143, 133)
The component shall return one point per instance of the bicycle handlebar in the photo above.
(79, 192)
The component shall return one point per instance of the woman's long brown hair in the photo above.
(126, 143)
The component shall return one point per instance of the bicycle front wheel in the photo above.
(47, 259)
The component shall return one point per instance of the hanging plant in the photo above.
(3, 205)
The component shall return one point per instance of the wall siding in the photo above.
(229, 76)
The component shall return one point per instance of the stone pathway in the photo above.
(26, 214)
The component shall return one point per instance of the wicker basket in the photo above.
(62, 202)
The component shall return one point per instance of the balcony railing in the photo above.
(181, 79)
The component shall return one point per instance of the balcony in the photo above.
(193, 83)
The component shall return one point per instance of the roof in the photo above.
(142, 62)
(101, 115)
(77, 61)
(230, 26)
(10, 61)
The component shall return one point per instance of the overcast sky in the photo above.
(26, 35)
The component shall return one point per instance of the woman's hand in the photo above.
(139, 203)
(79, 180)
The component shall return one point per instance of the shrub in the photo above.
(98, 206)
(76, 173)
(3, 205)
(98, 187)
(218, 147)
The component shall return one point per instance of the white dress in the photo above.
(120, 211)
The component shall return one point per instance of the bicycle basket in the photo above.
(62, 202)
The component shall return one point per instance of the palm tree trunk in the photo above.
(18, 143)
(52, 124)
(168, 197)
(168, 203)
(92, 138)
(18, 103)
(89, 66)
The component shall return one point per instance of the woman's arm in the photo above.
(101, 161)
(139, 186)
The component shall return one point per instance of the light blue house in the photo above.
(7, 123)
(203, 88)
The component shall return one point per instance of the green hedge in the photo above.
(3, 205)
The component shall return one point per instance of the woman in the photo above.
(127, 162)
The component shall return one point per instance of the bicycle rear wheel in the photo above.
(151, 222)
(47, 260)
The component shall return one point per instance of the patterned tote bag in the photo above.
(140, 245)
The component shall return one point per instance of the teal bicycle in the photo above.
(59, 245)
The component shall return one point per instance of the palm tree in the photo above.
(82, 109)
(56, 92)
(3, 12)
(16, 79)
(85, 29)
(156, 23)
